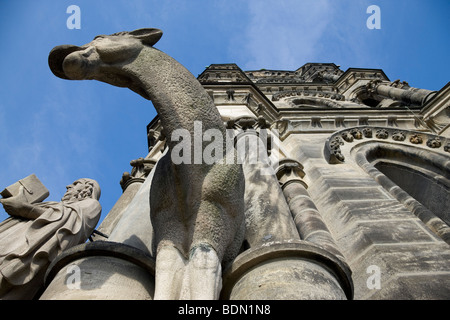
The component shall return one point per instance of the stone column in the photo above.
(268, 217)
(278, 265)
(307, 218)
(130, 183)
(400, 92)
(100, 270)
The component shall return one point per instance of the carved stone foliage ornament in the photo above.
(333, 146)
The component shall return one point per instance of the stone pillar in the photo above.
(130, 183)
(307, 218)
(278, 265)
(100, 270)
(405, 94)
(268, 217)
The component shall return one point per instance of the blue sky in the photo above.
(64, 130)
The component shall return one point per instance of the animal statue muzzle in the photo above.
(57, 57)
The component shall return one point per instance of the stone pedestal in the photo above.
(100, 270)
(295, 270)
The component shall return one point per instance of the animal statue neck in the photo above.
(177, 95)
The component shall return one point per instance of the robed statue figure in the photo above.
(37, 232)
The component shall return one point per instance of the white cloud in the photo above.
(283, 34)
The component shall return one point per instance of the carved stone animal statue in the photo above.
(197, 210)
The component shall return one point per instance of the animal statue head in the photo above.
(102, 58)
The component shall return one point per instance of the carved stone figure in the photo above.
(37, 232)
(335, 146)
(197, 210)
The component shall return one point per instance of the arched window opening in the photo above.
(432, 192)
(421, 175)
(418, 178)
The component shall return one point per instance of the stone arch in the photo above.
(363, 96)
(414, 167)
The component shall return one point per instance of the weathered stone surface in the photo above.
(101, 271)
(357, 139)
(295, 270)
(134, 227)
(401, 265)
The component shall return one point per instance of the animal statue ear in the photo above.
(148, 36)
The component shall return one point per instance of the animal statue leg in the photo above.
(205, 273)
(169, 273)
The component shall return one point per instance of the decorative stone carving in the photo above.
(290, 170)
(263, 123)
(416, 139)
(339, 122)
(382, 134)
(363, 121)
(315, 122)
(140, 171)
(334, 154)
(367, 132)
(398, 84)
(392, 121)
(247, 98)
(153, 137)
(197, 211)
(356, 133)
(230, 94)
(398, 136)
(347, 136)
(281, 126)
(326, 96)
(434, 143)
(37, 232)
(335, 147)
(372, 85)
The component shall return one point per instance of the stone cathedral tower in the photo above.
(357, 205)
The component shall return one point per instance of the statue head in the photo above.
(82, 189)
(102, 58)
